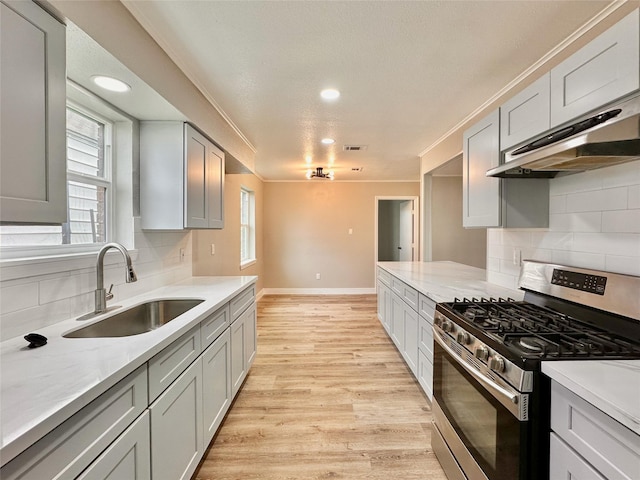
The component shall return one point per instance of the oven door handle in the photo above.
(510, 400)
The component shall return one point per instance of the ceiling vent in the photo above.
(356, 169)
(354, 148)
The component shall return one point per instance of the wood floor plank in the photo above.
(328, 397)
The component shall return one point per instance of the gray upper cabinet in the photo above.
(33, 184)
(498, 202)
(481, 194)
(181, 178)
(605, 69)
(525, 115)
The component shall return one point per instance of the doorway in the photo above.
(396, 229)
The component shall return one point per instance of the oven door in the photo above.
(486, 438)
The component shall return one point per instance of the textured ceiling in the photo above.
(408, 71)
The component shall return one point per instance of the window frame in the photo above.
(13, 252)
(250, 227)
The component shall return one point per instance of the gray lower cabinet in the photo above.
(384, 305)
(176, 427)
(425, 345)
(397, 321)
(127, 458)
(33, 94)
(243, 346)
(66, 451)
(604, 70)
(216, 385)
(586, 443)
(407, 316)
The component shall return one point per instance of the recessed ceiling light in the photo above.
(330, 94)
(109, 83)
(328, 141)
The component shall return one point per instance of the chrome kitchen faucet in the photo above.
(101, 295)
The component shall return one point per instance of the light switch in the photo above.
(213, 249)
(351, 231)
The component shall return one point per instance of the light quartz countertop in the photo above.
(611, 386)
(444, 281)
(42, 387)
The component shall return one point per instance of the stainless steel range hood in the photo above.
(608, 138)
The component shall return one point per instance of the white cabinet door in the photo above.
(238, 367)
(384, 305)
(215, 183)
(565, 463)
(397, 321)
(525, 115)
(605, 69)
(251, 340)
(481, 194)
(216, 384)
(176, 427)
(128, 457)
(425, 374)
(33, 184)
(411, 335)
(196, 157)
(181, 178)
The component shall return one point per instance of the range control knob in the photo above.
(496, 364)
(481, 353)
(447, 326)
(463, 338)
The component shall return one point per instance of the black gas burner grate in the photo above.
(533, 331)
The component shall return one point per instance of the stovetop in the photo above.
(526, 332)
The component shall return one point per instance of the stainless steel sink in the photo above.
(135, 320)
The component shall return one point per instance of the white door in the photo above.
(405, 246)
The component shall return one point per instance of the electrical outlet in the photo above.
(213, 249)
(317, 276)
(517, 256)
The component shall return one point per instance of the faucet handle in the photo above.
(109, 295)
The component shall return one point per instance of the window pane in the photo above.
(86, 214)
(85, 144)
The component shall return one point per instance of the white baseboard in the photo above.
(318, 291)
(260, 294)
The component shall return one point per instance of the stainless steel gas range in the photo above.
(491, 402)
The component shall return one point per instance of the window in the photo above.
(88, 188)
(247, 227)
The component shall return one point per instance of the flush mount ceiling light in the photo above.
(318, 173)
(330, 94)
(328, 141)
(110, 83)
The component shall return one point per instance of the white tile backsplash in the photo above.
(594, 222)
(35, 301)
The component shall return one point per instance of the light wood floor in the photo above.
(328, 397)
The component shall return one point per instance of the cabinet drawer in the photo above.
(240, 303)
(167, 365)
(384, 276)
(611, 448)
(426, 338)
(129, 457)
(212, 327)
(67, 450)
(525, 115)
(565, 463)
(605, 69)
(426, 308)
(404, 291)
